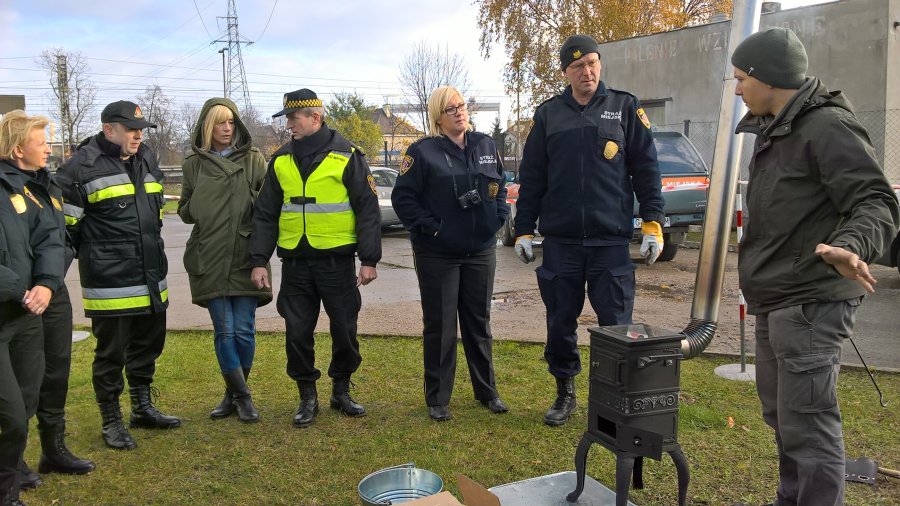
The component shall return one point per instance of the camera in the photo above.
(469, 199)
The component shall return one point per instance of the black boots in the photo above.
(564, 404)
(144, 414)
(240, 393)
(28, 479)
(56, 457)
(115, 435)
(225, 408)
(341, 400)
(309, 404)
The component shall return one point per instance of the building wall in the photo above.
(852, 46)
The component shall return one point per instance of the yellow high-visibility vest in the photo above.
(321, 210)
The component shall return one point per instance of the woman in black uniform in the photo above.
(451, 197)
(31, 270)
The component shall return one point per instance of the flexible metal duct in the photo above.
(722, 189)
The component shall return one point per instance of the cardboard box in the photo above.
(473, 493)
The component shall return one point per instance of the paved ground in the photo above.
(664, 298)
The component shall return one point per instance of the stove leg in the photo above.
(580, 461)
(684, 474)
(638, 474)
(624, 468)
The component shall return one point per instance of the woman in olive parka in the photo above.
(222, 178)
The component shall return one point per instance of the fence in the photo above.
(883, 128)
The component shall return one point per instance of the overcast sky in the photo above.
(330, 46)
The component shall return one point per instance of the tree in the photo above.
(499, 138)
(159, 109)
(73, 93)
(349, 115)
(533, 30)
(428, 67)
(188, 116)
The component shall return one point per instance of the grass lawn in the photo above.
(226, 462)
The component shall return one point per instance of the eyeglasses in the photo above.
(581, 67)
(452, 110)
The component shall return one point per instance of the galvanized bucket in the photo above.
(398, 484)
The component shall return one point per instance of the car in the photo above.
(891, 257)
(385, 179)
(685, 183)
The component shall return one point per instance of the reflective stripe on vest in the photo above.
(74, 214)
(151, 185)
(328, 221)
(125, 297)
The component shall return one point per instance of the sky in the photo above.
(327, 46)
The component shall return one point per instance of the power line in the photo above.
(267, 21)
(201, 19)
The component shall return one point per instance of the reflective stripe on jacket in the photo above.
(320, 208)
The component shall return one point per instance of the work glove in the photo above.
(652, 244)
(524, 248)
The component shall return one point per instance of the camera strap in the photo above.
(453, 175)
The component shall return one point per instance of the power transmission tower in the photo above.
(235, 77)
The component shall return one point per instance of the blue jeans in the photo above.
(234, 320)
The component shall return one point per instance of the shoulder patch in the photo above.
(643, 117)
(371, 179)
(18, 203)
(56, 203)
(405, 164)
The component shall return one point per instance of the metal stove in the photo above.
(634, 379)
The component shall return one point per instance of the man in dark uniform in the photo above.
(113, 206)
(589, 152)
(319, 206)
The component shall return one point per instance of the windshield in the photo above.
(676, 155)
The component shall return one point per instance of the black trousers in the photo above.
(57, 322)
(451, 286)
(305, 284)
(130, 342)
(21, 370)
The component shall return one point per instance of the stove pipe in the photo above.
(722, 189)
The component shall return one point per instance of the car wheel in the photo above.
(506, 234)
(668, 253)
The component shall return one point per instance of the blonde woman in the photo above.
(31, 270)
(451, 197)
(221, 181)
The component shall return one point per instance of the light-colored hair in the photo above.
(438, 101)
(217, 114)
(14, 130)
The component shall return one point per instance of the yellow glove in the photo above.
(652, 245)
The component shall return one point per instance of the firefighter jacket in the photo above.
(435, 175)
(31, 245)
(318, 199)
(113, 211)
(582, 166)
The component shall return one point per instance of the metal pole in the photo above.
(224, 82)
(742, 309)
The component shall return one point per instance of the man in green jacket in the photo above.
(820, 209)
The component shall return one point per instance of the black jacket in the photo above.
(308, 153)
(113, 215)
(814, 178)
(582, 166)
(434, 175)
(31, 245)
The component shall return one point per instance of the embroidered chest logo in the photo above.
(18, 203)
(614, 115)
(486, 159)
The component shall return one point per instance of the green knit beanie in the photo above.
(774, 56)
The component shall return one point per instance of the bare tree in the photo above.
(188, 116)
(73, 93)
(159, 109)
(428, 67)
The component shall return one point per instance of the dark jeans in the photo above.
(566, 268)
(21, 370)
(130, 342)
(234, 320)
(305, 284)
(798, 357)
(57, 322)
(452, 285)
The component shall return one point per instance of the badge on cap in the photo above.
(18, 202)
(405, 164)
(576, 54)
(372, 184)
(137, 112)
(643, 117)
(610, 150)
